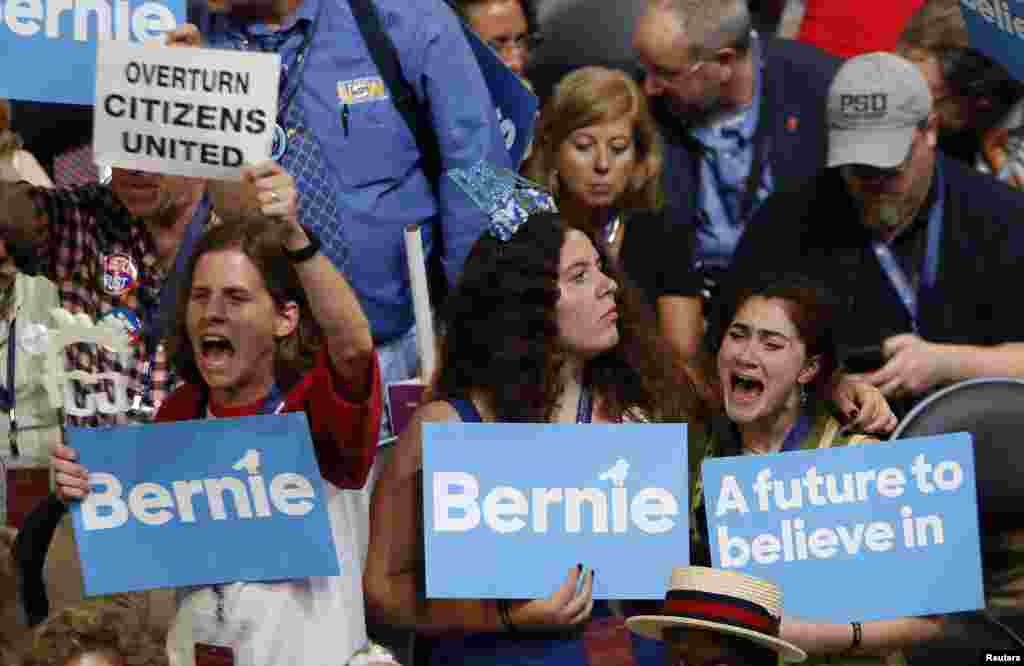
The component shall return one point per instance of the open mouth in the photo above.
(215, 350)
(746, 389)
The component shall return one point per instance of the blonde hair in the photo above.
(589, 96)
(9, 141)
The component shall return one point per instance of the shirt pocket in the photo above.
(377, 145)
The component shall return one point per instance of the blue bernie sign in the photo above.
(48, 47)
(509, 509)
(996, 28)
(515, 104)
(201, 502)
(853, 533)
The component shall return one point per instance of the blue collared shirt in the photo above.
(382, 187)
(723, 173)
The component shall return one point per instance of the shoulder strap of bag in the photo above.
(416, 116)
(385, 56)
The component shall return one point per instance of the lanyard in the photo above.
(929, 271)
(8, 393)
(747, 199)
(272, 405)
(585, 406)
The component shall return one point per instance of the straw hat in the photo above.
(724, 601)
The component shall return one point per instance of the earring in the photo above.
(803, 395)
(553, 183)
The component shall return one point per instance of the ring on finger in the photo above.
(274, 196)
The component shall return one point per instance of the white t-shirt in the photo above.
(316, 621)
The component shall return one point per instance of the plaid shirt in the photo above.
(82, 228)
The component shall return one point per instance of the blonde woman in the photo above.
(598, 151)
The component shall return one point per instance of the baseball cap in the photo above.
(875, 102)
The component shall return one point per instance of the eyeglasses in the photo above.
(525, 43)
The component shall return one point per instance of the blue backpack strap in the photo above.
(466, 409)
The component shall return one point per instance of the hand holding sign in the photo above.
(70, 478)
(196, 503)
(570, 605)
(899, 514)
(275, 194)
(185, 35)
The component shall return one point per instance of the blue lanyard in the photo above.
(930, 269)
(746, 197)
(585, 406)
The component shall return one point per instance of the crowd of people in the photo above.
(784, 241)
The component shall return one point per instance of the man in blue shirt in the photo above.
(359, 171)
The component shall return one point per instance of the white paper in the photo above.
(184, 111)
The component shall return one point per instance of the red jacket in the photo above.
(344, 433)
(846, 28)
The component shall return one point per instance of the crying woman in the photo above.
(775, 359)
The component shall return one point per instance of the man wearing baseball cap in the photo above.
(921, 250)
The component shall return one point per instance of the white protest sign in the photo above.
(184, 111)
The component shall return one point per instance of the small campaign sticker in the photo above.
(120, 275)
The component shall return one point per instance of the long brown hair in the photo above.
(501, 337)
(260, 241)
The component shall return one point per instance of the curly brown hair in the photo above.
(501, 337)
(95, 627)
(260, 241)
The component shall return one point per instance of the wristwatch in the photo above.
(306, 253)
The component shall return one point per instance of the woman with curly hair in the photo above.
(94, 633)
(540, 329)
